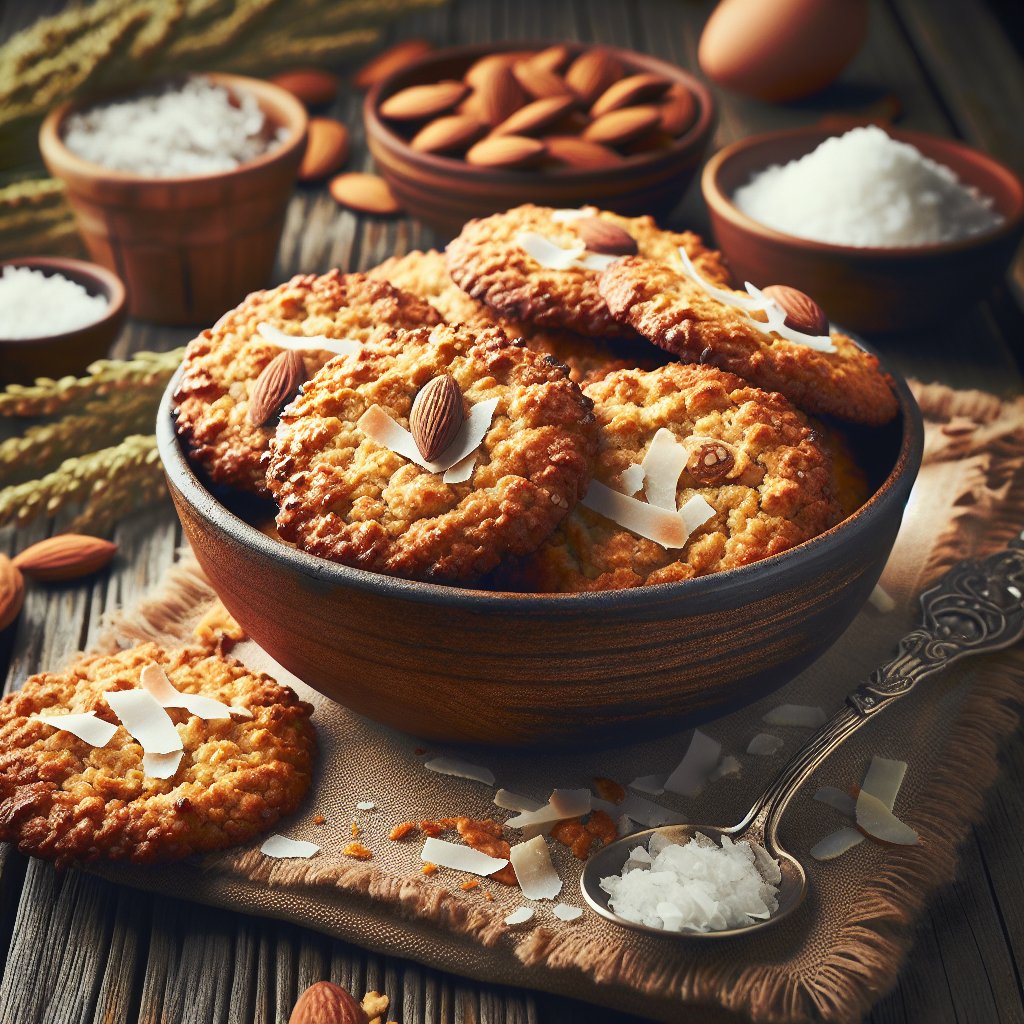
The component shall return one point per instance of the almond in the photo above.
(480, 69)
(436, 416)
(536, 116)
(327, 1003)
(628, 92)
(420, 102)
(678, 110)
(579, 153)
(539, 82)
(276, 385)
(397, 57)
(506, 151)
(603, 236)
(802, 312)
(451, 134)
(365, 193)
(618, 127)
(326, 149)
(553, 59)
(12, 592)
(313, 86)
(710, 462)
(497, 95)
(591, 73)
(65, 557)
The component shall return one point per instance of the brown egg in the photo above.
(781, 49)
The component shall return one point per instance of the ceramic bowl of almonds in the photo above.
(471, 130)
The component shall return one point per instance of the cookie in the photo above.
(425, 274)
(749, 454)
(223, 364)
(488, 261)
(65, 800)
(675, 312)
(346, 497)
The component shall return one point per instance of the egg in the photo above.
(781, 49)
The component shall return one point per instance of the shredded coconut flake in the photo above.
(146, 720)
(307, 343)
(568, 216)
(836, 844)
(94, 731)
(631, 479)
(155, 682)
(34, 304)
(459, 858)
(554, 257)
(520, 916)
(664, 461)
(884, 779)
(666, 527)
(879, 822)
(161, 766)
(729, 765)
(366, 805)
(837, 800)
(564, 912)
(282, 848)
(562, 804)
(536, 874)
(514, 802)
(764, 744)
(460, 769)
(698, 763)
(881, 601)
(653, 784)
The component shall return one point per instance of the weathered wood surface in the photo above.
(77, 949)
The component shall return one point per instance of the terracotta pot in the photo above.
(188, 248)
(22, 360)
(469, 665)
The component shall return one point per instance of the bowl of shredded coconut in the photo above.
(56, 316)
(888, 229)
(181, 187)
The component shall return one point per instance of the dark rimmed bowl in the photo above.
(187, 247)
(866, 289)
(54, 355)
(470, 665)
(445, 192)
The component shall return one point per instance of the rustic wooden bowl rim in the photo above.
(748, 578)
(932, 146)
(296, 121)
(101, 281)
(393, 141)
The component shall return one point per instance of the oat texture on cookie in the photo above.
(347, 497)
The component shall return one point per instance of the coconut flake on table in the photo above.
(460, 858)
(460, 769)
(653, 784)
(36, 305)
(565, 912)
(191, 127)
(283, 848)
(764, 744)
(366, 805)
(728, 766)
(537, 876)
(306, 343)
(562, 804)
(695, 886)
(86, 726)
(837, 800)
(881, 601)
(865, 188)
(699, 761)
(799, 716)
(510, 801)
(836, 844)
(520, 916)
(640, 810)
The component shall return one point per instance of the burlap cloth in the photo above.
(831, 960)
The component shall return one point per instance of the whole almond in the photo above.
(275, 386)
(539, 82)
(603, 236)
(592, 72)
(480, 69)
(313, 86)
(618, 127)
(497, 95)
(451, 134)
(628, 92)
(553, 59)
(579, 153)
(365, 193)
(65, 557)
(436, 416)
(420, 102)
(326, 149)
(327, 1003)
(399, 56)
(536, 116)
(678, 110)
(711, 462)
(802, 312)
(12, 592)
(506, 151)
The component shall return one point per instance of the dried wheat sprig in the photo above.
(141, 487)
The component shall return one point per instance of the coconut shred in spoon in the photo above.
(709, 881)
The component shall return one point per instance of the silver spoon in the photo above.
(977, 607)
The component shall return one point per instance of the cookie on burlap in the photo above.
(345, 497)
(675, 312)
(751, 456)
(222, 365)
(65, 800)
(488, 261)
(426, 274)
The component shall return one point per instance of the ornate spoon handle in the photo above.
(977, 607)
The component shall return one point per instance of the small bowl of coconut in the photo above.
(888, 230)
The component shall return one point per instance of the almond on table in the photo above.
(365, 193)
(391, 60)
(313, 86)
(326, 149)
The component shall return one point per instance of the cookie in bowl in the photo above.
(697, 471)
(432, 454)
(225, 430)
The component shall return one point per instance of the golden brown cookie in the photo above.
(223, 364)
(675, 312)
(65, 800)
(426, 274)
(346, 497)
(488, 261)
(749, 454)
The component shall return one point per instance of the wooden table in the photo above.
(76, 949)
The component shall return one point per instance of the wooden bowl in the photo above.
(445, 191)
(866, 289)
(469, 665)
(22, 360)
(187, 247)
